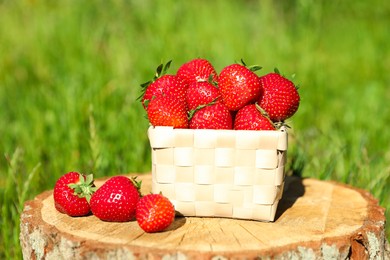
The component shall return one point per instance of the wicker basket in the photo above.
(219, 173)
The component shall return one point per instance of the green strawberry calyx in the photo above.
(291, 78)
(210, 80)
(192, 112)
(137, 184)
(252, 68)
(277, 125)
(161, 70)
(85, 187)
(265, 114)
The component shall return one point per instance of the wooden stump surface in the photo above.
(315, 220)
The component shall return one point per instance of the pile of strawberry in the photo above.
(196, 97)
(117, 200)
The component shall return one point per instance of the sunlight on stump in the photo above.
(315, 220)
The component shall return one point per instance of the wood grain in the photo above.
(315, 220)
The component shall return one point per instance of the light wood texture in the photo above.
(315, 220)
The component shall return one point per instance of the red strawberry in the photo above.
(215, 116)
(201, 93)
(280, 99)
(239, 86)
(116, 199)
(250, 117)
(154, 213)
(197, 70)
(165, 85)
(167, 111)
(72, 192)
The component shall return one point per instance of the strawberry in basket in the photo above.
(197, 97)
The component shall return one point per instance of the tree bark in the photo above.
(315, 220)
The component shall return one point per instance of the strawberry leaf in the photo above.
(85, 187)
(264, 113)
(158, 71)
(137, 184)
(161, 70)
(252, 68)
(166, 67)
(193, 111)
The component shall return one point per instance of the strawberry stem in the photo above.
(193, 111)
(85, 187)
(212, 81)
(277, 71)
(278, 124)
(265, 114)
(252, 68)
(137, 184)
(161, 70)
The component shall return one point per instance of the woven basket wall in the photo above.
(219, 173)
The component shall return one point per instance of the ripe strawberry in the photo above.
(167, 111)
(154, 213)
(201, 93)
(250, 117)
(72, 193)
(197, 70)
(280, 99)
(239, 86)
(116, 199)
(214, 116)
(165, 85)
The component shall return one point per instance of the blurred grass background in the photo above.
(70, 74)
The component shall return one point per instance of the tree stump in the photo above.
(315, 220)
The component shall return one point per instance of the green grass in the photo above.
(70, 74)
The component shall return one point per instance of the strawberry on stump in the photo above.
(72, 193)
(154, 213)
(116, 199)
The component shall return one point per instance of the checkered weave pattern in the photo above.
(219, 173)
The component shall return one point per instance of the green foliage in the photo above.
(70, 74)
(14, 193)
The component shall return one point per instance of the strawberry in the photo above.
(116, 199)
(280, 99)
(163, 84)
(201, 93)
(167, 111)
(154, 213)
(213, 116)
(72, 192)
(239, 86)
(250, 117)
(197, 70)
